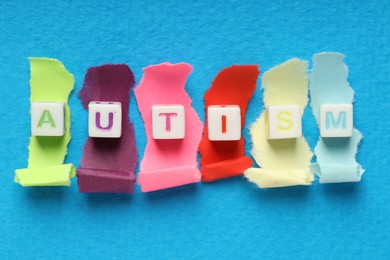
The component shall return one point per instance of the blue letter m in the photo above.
(341, 121)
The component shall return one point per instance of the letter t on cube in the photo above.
(168, 122)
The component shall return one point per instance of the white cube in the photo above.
(336, 120)
(47, 118)
(224, 123)
(284, 122)
(168, 122)
(105, 119)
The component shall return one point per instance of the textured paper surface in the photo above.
(284, 162)
(49, 81)
(108, 164)
(222, 159)
(328, 85)
(168, 163)
(229, 219)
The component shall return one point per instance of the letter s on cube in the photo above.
(284, 122)
(47, 118)
(105, 119)
(168, 122)
(336, 120)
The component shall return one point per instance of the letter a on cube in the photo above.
(105, 119)
(336, 120)
(168, 122)
(224, 123)
(47, 119)
(284, 122)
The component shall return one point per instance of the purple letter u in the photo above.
(110, 121)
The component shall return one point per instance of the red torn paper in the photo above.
(168, 163)
(108, 164)
(222, 159)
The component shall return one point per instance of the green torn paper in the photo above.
(51, 82)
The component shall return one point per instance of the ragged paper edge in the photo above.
(232, 165)
(47, 176)
(43, 169)
(329, 84)
(284, 162)
(105, 181)
(91, 178)
(226, 168)
(153, 179)
(279, 177)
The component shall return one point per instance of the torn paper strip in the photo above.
(284, 162)
(328, 85)
(168, 162)
(49, 82)
(108, 164)
(234, 85)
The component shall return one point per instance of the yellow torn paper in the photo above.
(284, 162)
(50, 82)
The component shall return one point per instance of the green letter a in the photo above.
(46, 118)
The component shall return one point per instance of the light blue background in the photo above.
(229, 219)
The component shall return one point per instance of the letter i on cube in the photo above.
(284, 122)
(336, 120)
(168, 122)
(105, 119)
(47, 118)
(224, 123)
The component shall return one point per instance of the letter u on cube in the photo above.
(105, 119)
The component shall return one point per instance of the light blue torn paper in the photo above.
(328, 85)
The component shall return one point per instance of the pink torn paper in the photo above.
(108, 164)
(168, 163)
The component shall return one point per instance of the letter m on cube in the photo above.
(336, 120)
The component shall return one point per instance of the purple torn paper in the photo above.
(108, 164)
